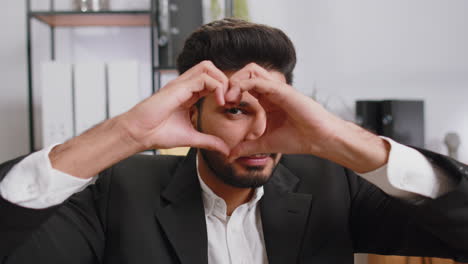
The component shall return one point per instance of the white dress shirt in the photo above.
(33, 183)
(238, 238)
(234, 239)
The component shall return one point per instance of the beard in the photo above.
(236, 176)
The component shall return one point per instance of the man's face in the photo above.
(235, 124)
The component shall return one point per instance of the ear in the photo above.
(194, 115)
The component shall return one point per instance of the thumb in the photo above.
(205, 141)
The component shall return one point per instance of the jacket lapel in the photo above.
(181, 213)
(284, 217)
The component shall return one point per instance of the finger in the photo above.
(250, 71)
(209, 68)
(233, 95)
(205, 141)
(203, 84)
(242, 74)
(194, 89)
(209, 85)
(275, 91)
(193, 100)
(219, 93)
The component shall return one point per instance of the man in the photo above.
(235, 198)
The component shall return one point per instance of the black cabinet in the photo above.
(401, 120)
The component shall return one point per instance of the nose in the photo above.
(257, 126)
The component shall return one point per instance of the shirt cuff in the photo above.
(33, 183)
(409, 175)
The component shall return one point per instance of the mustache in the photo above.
(272, 155)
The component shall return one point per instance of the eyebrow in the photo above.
(243, 104)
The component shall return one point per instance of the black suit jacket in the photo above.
(148, 209)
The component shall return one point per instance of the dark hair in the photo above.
(233, 43)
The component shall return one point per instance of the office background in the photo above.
(347, 50)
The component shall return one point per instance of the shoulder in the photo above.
(302, 165)
(141, 173)
(316, 174)
(147, 164)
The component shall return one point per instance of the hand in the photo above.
(163, 120)
(296, 124)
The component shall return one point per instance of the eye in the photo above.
(234, 111)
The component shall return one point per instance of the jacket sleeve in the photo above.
(385, 225)
(71, 232)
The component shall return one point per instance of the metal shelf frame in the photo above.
(169, 22)
(102, 18)
(54, 18)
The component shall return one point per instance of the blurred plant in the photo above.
(241, 9)
(215, 9)
(335, 104)
(314, 95)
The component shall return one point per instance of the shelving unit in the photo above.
(169, 22)
(86, 19)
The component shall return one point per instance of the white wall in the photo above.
(14, 139)
(347, 50)
(393, 49)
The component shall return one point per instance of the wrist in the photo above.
(139, 123)
(130, 133)
(93, 151)
(357, 149)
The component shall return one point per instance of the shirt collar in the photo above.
(215, 205)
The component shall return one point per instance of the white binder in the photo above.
(123, 86)
(56, 102)
(118, 5)
(90, 95)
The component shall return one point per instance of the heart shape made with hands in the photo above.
(291, 117)
(262, 85)
(288, 112)
(296, 124)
